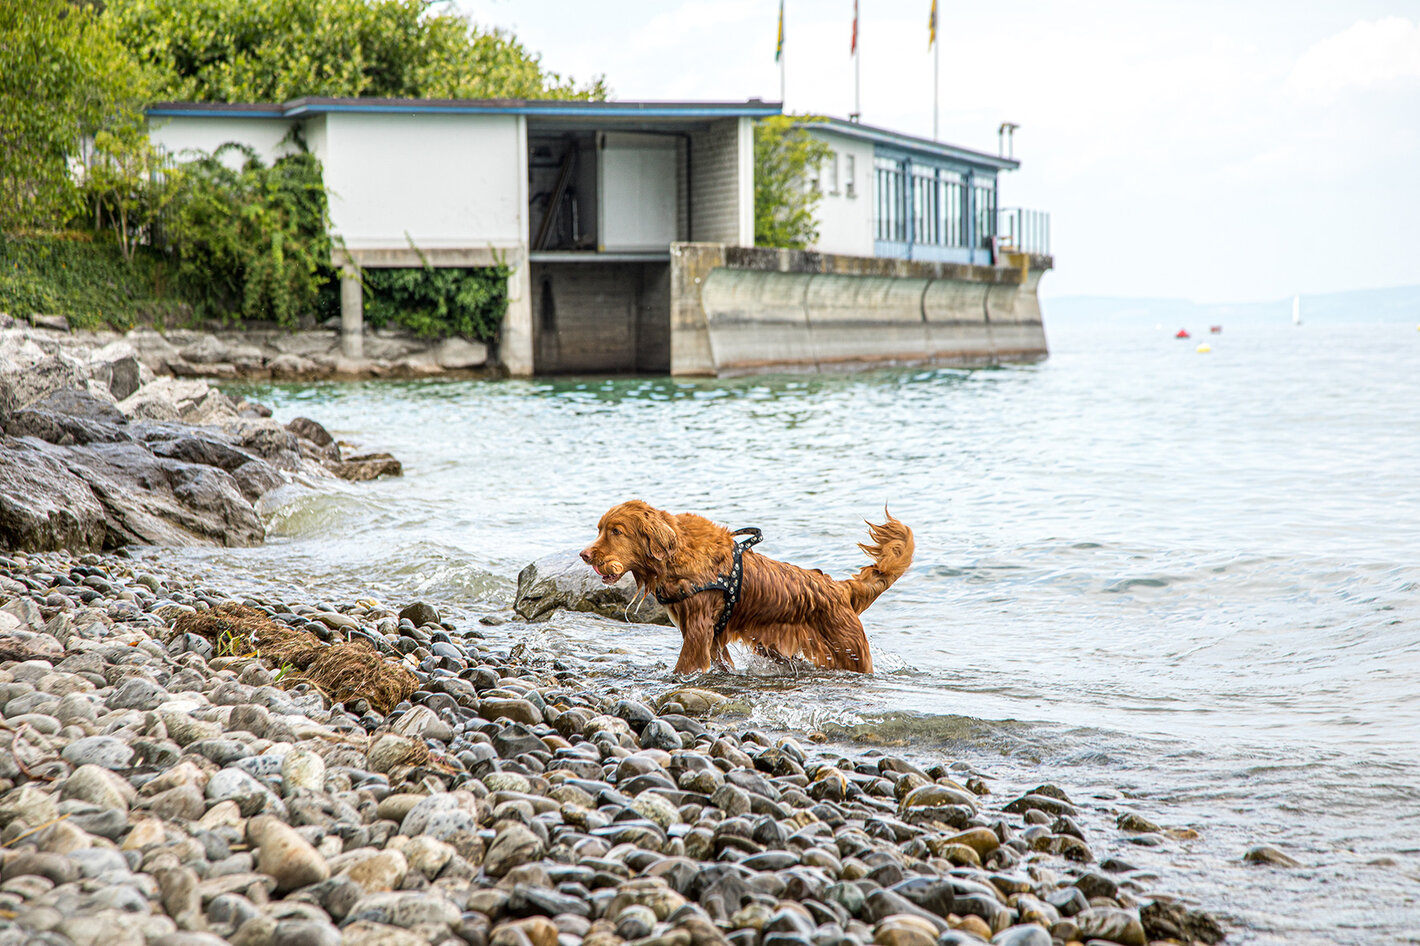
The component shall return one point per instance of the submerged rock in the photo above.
(563, 580)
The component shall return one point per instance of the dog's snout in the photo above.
(587, 555)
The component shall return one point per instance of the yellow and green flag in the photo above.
(779, 49)
(932, 26)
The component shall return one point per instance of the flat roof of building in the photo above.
(897, 139)
(551, 108)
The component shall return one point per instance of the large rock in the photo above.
(29, 371)
(154, 500)
(70, 416)
(460, 353)
(563, 580)
(188, 399)
(117, 368)
(43, 505)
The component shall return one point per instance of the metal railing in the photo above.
(1023, 231)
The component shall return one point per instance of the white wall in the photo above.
(264, 135)
(745, 131)
(636, 199)
(846, 223)
(447, 180)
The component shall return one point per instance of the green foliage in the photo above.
(250, 243)
(275, 50)
(438, 303)
(88, 282)
(126, 186)
(785, 200)
(63, 76)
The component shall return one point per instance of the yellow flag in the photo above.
(932, 26)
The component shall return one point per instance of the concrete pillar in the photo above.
(352, 314)
(515, 345)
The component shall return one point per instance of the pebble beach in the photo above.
(159, 786)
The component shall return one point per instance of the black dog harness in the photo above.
(728, 584)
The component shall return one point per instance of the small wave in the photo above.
(1126, 584)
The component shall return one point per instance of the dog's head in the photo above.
(632, 537)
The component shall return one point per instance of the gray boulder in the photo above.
(153, 500)
(43, 505)
(70, 416)
(117, 368)
(29, 373)
(563, 580)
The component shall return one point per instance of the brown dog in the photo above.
(778, 609)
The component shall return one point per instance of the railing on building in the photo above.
(1024, 231)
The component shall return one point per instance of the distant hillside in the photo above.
(1397, 304)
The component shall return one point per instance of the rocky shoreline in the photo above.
(164, 784)
(274, 353)
(97, 451)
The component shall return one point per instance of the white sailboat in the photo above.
(1296, 310)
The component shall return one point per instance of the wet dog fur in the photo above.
(784, 611)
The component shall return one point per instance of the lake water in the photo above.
(1182, 584)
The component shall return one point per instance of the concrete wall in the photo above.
(736, 310)
(264, 135)
(722, 183)
(600, 317)
(444, 180)
(845, 214)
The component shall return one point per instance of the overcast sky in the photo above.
(1215, 151)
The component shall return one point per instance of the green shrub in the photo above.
(438, 303)
(251, 243)
(86, 281)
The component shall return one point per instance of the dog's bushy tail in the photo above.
(891, 551)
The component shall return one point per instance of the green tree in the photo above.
(63, 78)
(275, 50)
(786, 162)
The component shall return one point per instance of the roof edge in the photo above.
(899, 139)
(315, 105)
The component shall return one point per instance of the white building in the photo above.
(629, 230)
(582, 199)
(887, 194)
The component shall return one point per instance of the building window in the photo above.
(890, 200)
(850, 176)
(831, 172)
(984, 198)
(953, 209)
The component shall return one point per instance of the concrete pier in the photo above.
(352, 313)
(736, 310)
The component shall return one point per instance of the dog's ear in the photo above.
(662, 541)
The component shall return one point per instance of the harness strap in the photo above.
(729, 584)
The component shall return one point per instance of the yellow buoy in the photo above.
(1205, 348)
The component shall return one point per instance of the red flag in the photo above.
(853, 47)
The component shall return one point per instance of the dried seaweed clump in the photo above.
(345, 672)
(235, 630)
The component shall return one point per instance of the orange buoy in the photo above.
(1182, 333)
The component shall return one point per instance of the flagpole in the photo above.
(779, 54)
(936, 84)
